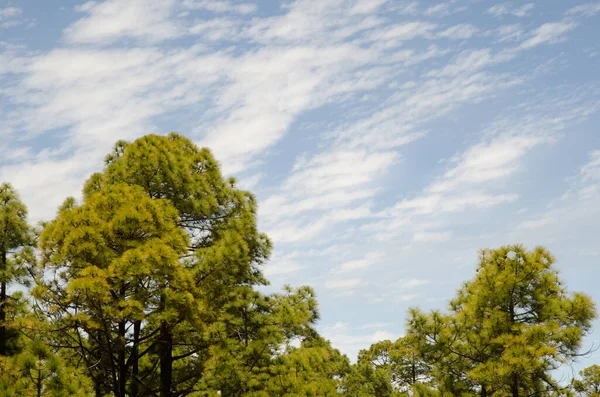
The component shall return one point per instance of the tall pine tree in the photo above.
(151, 279)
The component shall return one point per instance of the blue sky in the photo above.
(386, 140)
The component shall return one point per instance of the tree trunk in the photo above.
(166, 360)
(3, 307)
(514, 385)
(135, 370)
(122, 363)
(414, 371)
(39, 383)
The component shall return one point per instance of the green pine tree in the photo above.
(589, 384)
(15, 242)
(508, 328)
(151, 278)
(38, 371)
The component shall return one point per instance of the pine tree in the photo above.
(508, 328)
(109, 264)
(147, 267)
(589, 384)
(387, 368)
(15, 238)
(255, 355)
(38, 371)
(312, 369)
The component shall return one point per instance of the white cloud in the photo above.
(112, 20)
(459, 32)
(406, 297)
(284, 83)
(366, 6)
(367, 261)
(345, 286)
(588, 10)
(468, 61)
(281, 266)
(509, 33)
(441, 9)
(440, 203)
(591, 170)
(374, 325)
(9, 12)
(476, 177)
(499, 10)
(402, 7)
(431, 236)
(350, 340)
(8, 17)
(551, 32)
(536, 223)
(587, 183)
(406, 284)
(403, 32)
(217, 29)
(219, 6)
(487, 162)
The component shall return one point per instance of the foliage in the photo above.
(15, 241)
(589, 384)
(151, 278)
(508, 328)
(38, 371)
(387, 369)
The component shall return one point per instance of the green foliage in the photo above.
(151, 279)
(508, 328)
(37, 371)
(589, 384)
(108, 264)
(263, 326)
(387, 369)
(15, 242)
(313, 369)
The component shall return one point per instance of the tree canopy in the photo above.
(150, 285)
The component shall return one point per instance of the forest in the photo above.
(150, 285)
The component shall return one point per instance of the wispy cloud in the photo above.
(587, 10)
(113, 20)
(344, 284)
(551, 32)
(586, 184)
(410, 283)
(9, 17)
(348, 339)
(367, 261)
(219, 6)
(443, 9)
(499, 10)
(9, 12)
(459, 32)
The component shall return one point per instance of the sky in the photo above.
(387, 141)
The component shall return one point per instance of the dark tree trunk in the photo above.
(166, 360)
(122, 363)
(514, 385)
(135, 365)
(3, 307)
